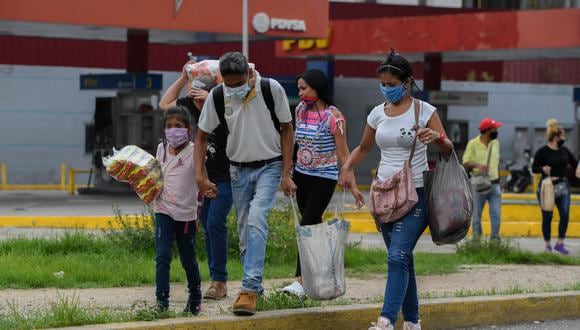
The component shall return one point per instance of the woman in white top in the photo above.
(392, 125)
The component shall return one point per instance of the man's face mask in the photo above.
(238, 92)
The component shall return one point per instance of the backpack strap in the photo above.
(269, 99)
(218, 101)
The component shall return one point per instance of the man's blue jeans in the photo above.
(401, 237)
(494, 199)
(254, 193)
(167, 231)
(213, 218)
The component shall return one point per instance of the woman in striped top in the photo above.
(321, 139)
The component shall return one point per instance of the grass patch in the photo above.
(126, 257)
(505, 252)
(461, 293)
(68, 312)
(279, 300)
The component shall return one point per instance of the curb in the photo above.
(517, 221)
(445, 313)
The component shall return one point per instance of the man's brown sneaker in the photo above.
(217, 291)
(246, 303)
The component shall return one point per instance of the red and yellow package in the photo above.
(137, 167)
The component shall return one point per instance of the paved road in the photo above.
(48, 203)
(536, 325)
(14, 203)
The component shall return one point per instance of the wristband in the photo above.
(441, 138)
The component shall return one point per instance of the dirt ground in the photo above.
(359, 290)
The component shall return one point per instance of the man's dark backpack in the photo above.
(218, 100)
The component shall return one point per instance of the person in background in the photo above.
(214, 212)
(482, 156)
(391, 125)
(176, 209)
(321, 139)
(553, 160)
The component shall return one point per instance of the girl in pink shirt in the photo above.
(176, 209)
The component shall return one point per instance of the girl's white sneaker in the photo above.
(382, 324)
(411, 326)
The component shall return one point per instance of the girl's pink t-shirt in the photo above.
(179, 196)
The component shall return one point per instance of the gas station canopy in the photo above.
(280, 18)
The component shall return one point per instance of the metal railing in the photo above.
(70, 187)
(71, 178)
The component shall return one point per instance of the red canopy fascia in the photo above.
(533, 29)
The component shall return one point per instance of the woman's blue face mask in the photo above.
(393, 94)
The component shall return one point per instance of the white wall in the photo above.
(42, 120)
(518, 105)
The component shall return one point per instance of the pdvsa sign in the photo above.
(262, 23)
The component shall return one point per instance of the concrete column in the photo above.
(432, 71)
(137, 51)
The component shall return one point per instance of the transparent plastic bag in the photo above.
(547, 196)
(137, 167)
(206, 74)
(449, 200)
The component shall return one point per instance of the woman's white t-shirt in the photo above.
(394, 136)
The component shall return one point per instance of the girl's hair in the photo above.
(399, 67)
(317, 81)
(553, 129)
(182, 114)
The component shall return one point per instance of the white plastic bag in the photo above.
(137, 167)
(321, 248)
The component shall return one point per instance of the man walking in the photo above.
(260, 140)
(482, 158)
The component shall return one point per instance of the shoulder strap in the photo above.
(269, 99)
(218, 101)
(489, 153)
(417, 107)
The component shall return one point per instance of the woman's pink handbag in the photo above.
(395, 197)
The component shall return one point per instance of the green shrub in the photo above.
(136, 232)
